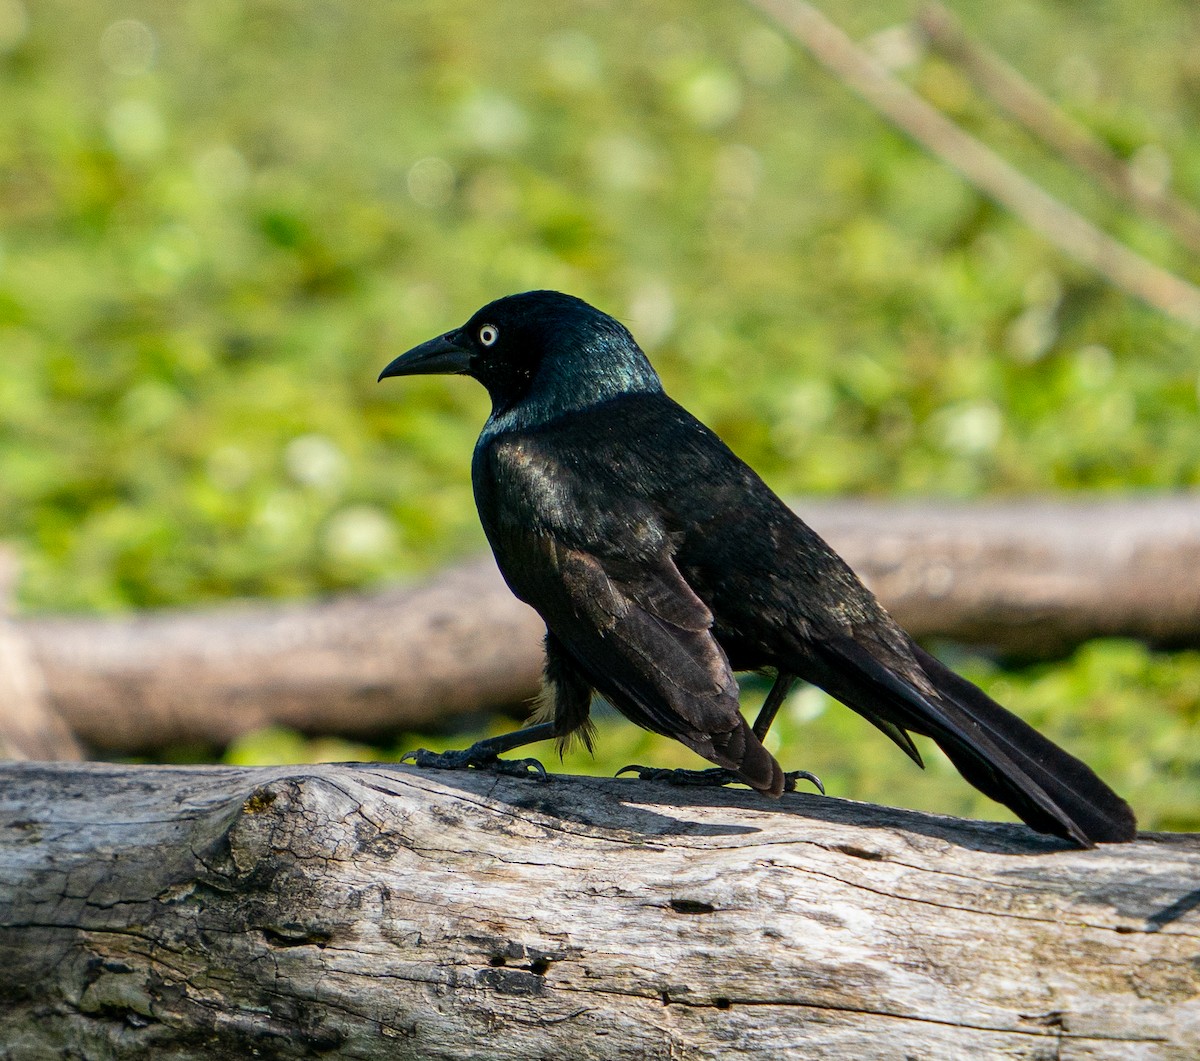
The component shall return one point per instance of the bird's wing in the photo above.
(600, 571)
(641, 517)
(643, 627)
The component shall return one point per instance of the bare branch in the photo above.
(1052, 219)
(1053, 126)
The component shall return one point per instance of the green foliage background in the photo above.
(218, 221)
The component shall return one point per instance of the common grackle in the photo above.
(662, 564)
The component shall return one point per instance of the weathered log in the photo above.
(360, 664)
(362, 911)
(1033, 578)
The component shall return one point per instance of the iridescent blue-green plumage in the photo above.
(661, 564)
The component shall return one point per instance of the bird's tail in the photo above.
(1007, 759)
(1001, 755)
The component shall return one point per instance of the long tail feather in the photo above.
(1001, 755)
(1021, 768)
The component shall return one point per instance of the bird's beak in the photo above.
(441, 356)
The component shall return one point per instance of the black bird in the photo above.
(662, 564)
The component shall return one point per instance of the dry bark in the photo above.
(360, 911)
(1028, 578)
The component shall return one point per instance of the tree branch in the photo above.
(1053, 126)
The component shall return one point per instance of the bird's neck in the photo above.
(571, 387)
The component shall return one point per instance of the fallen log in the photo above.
(360, 911)
(361, 665)
(1031, 578)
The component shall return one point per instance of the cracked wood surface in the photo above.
(367, 911)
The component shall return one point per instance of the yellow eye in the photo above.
(488, 334)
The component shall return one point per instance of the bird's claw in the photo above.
(475, 759)
(792, 777)
(714, 778)
(530, 768)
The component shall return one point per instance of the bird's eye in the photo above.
(488, 334)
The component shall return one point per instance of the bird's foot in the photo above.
(717, 777)
(714, 778)
(476, 758)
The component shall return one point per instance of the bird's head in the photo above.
(539, 354)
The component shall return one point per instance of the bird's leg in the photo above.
(766, 715)
(718, 777)
(485, 754)
(774, 701)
